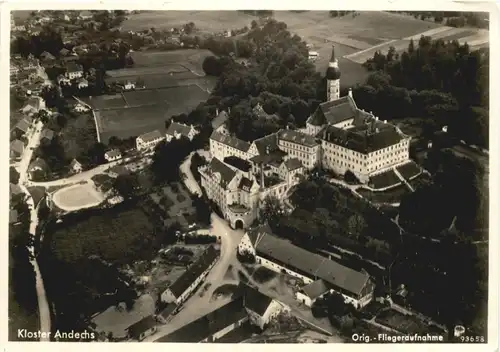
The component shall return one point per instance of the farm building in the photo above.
(247, 304)
(212, 326)
(178, 130)
(143, 328)
(117, 320)
(113, 155)
(261, 309)
(281, 255)
(149, 140)
(182, 288)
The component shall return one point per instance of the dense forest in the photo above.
(452, 18)
(444, 82)
(281, 79)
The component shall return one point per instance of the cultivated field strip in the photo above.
(473, 37)
(361, 57)
(166, 69)
(430, 33)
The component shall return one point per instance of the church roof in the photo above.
(334, 111)
(365, 138)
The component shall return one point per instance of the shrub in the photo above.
(245, 257)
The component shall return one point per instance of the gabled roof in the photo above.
(364, 139)
(73, 67)
(275, 157)
(178, 128)
(297, 137)
(23, 125)
(40, 163)
(47, 133)
(194, 271)
(334, 111)
(311, 264)
(293, 164)
(255, 300)
(150, 136)
(230, 141)
(135, 330)
(113, 153)
(15, 189)
(13, 216)
(315, 289)
(34, 102)
(17, 146)
(256, 233)
(226, 173)
(74, 163)
(209, 324)
(47, 56)
(267, 144)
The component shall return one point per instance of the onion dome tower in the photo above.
(333, 78)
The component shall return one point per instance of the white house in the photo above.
(281, 255)
(79, 107)
(182, 288)
(128, 85)
(262, 309)
(76, 166)
(143, 328)
(73, 71)
(113, 155)
(82, 83)
(212, 326)
(178, 130)
(148, 140)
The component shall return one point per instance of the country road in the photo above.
(22, 168)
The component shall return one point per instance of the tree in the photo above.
(356, 224)
(254, 24)
(351, 178)
(271, 210)
(337, 305)
(126, 185)
(168, 157)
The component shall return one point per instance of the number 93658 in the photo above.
(478, 339)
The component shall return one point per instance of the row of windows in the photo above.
(296, 146)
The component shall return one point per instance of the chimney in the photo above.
(262, 184)
(350, 92)
(267, 149)
(376, 118)
(229, 110)
(385, 121)
(445, 129)
(216, 111)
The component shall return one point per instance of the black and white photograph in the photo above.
(288, 176)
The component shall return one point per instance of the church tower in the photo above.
(333, 78)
